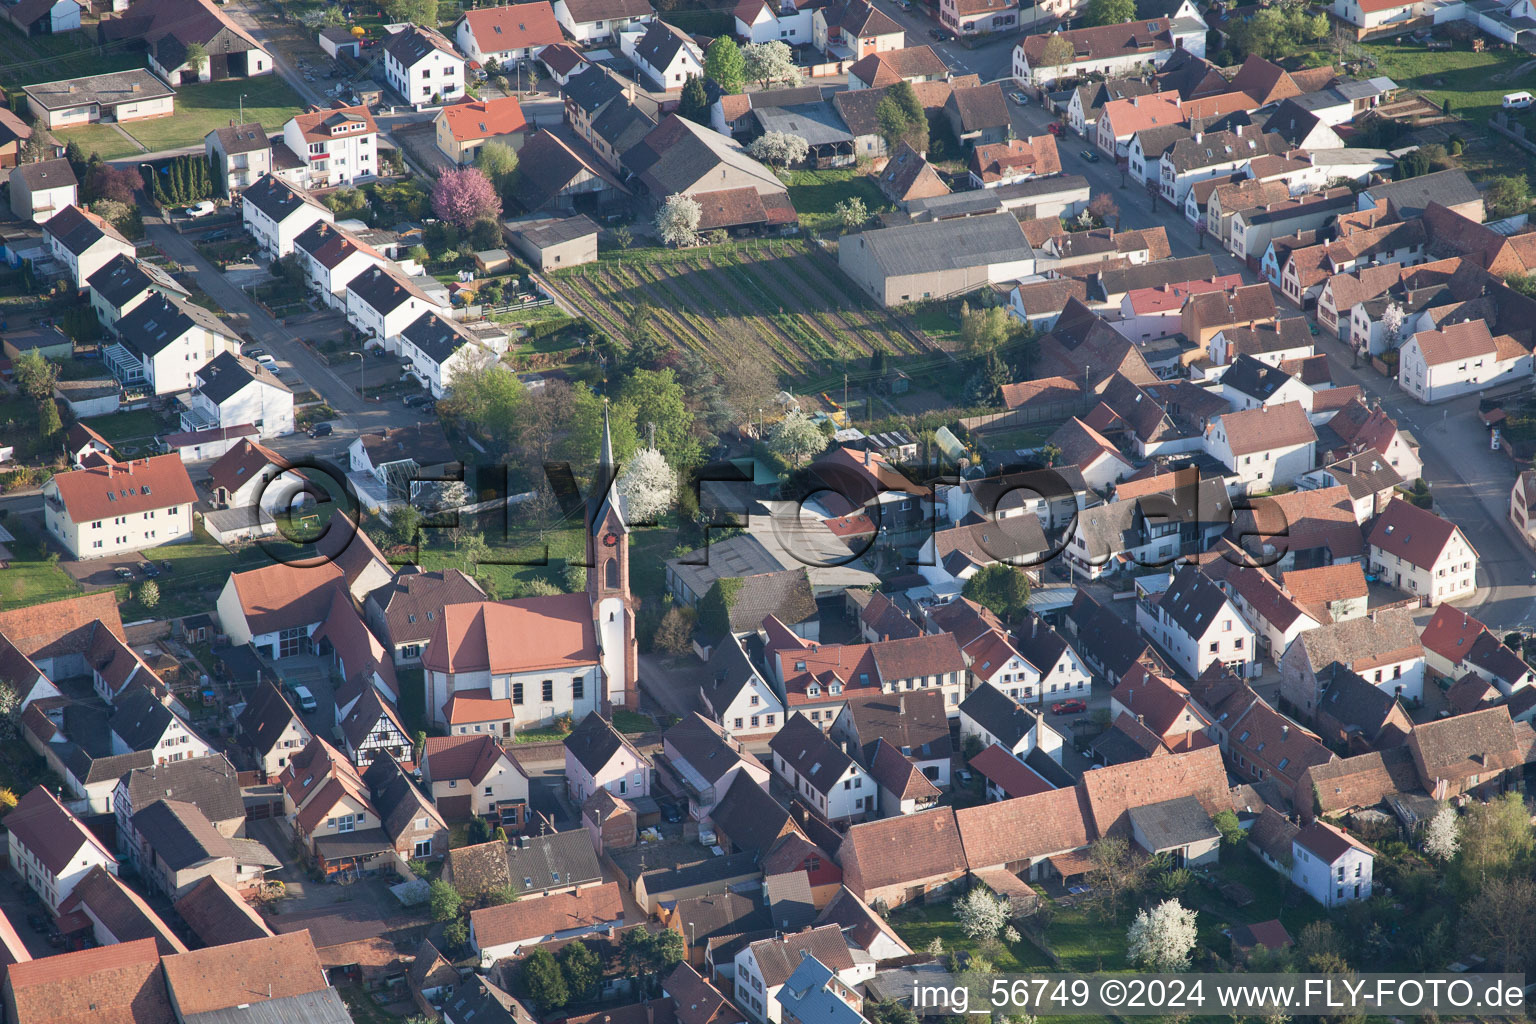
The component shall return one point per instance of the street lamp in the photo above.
(361, 365)
(242, 108)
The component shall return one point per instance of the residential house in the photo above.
(1383, 648)
(1122, 119)
(763, 969)
(663, 53)
(1159, 704)
(124, 283)
(701, 760)
(180, 847)
(1112, 50)
(592, 22)
(473, 776)
(738, 697)
(115, 507)
(238, 155)
(329, 809)
(121, 96)
(498, 932)
(884, 68)
(141, 722)
(598, 756)
(231, 390)
(338, 146)
(404, 612)
(849, 30)
(463, 128)
(1457, 358)
(116, 914)
(1328, 863)
(164, 341)
(1252, 229)
(439, 350)
(1275, 615)
(331, 259)
(82, 243)
(979, 114)
(382, 302)
(1264, 447)
(422, 66)
(271, 729)
(276, 212)
(51, 849)
(495, 36)
(413, 824)
(1196, 624)
(1206, 155)
(278, 608)
(40, 190)
(821, 774)
(1355, 714)
(993, 717)
(1480, 754)
(371, 727)
(763, 21)
(914, 724)
(1422, 553)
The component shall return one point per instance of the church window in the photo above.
(611, 574)
(577, 688)
(549, 690)
(517, 693)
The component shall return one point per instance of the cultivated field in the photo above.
(776, 301)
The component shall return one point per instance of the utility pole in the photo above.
(242, 108)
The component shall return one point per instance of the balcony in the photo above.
(196, 413)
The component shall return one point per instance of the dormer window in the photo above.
(813, 691)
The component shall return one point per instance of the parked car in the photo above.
(167, 565)
(148, 570)
(1055, 127)
(1090, 156)
(255, 353)
(37, 922)
(1018, 97)
(303, 697)
(1069, 707)
(410, 400)
(122, 572)
(201, 209)
(266, 360)
(321, 430)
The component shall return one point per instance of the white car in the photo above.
(201, 209)
(266, 360)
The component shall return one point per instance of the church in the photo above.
(501, 666)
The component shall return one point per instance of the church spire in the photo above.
(605, 460)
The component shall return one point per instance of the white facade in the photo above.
(1258, 471)
(1345, 879)
(37, 206)
(1453, 574)
(80, 266)
(261, 404)
(852, 794)
(330, 282)
(53, 889)
(385, 326)
(586, 33)
(782, 22)
(435, 76)
(538, 697)
(276, 237)
(1437, 382)
(687, 59)
(177, 743)
(338, 159)
(114, 535)
(1043, 738)
(1226, 637)
(754, 709)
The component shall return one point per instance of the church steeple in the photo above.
(603, 509)
(613, 610)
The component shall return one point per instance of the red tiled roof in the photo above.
(1111, 791)
(116, 984)
(125, 488)
(282, 596)
(1414, 534)
(464, 757)
(40, 823)
(253, 971)
(522, 635)
(1450, 633)
(1038, 825)
(498, 29)
(486, 119)
(1012, 776)
(536, 918)
(318, 125)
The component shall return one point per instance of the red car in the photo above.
(1055, 128)
(1069, 707)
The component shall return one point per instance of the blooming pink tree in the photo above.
(463, 196)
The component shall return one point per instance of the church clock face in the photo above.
(610, 540)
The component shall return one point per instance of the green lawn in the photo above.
(202, 108)
(198, 570)
(631, 722)
(32, 578)
(815, 193)
(1461, 76)
(101, 139)
(918, 926)
(130, 428)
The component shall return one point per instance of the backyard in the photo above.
(105, 140)
(31, 577)
(202, 108)
(816, 192)
(777, 302)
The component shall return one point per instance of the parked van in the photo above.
(1518, 100)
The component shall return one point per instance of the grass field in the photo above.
(102, 139)
(202, 108)
(815, 193)
(129, 428)
(777, 302)
(31, 578)
(198, 570)
(28, 60)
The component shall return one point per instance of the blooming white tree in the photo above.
(795, 438)
(1392, 323)
(981, 915)
(678, 221)
(647, 485)
(770, 62)
(851, 213)
(779, 149)
(1161, 939)
(1443, 836)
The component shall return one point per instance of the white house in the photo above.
(382, 302)
(506, 34)
(141, 722)
(1332, 866)
(278, 607)
(471, 776)
(332, 258)
(40, 190)
(1422, 553)
(1197, 624)
(338, 145)
(991, 716)
(1265, 447)
(764, 967)
(1249, 383)
(1062, 671)
(600, 21)
(275, 213)
(238, 155)
(664, 52)
(421, 65)
(705, 759)
(51, 849)
(117, 288)
(1455, 359)
(439, 348)
(83, 243)
(765, 21)
(1373, 15)
(1091, 453)
(597, 756)
(1111, 50)
(740, 699)
(164, 341)
(499, 932)
(113, 508)
(231, 390)
(820, 772)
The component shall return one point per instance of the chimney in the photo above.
(1140, 719)
(901, 705)
(135, 86)
(1198, 137)
(1285, 733)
